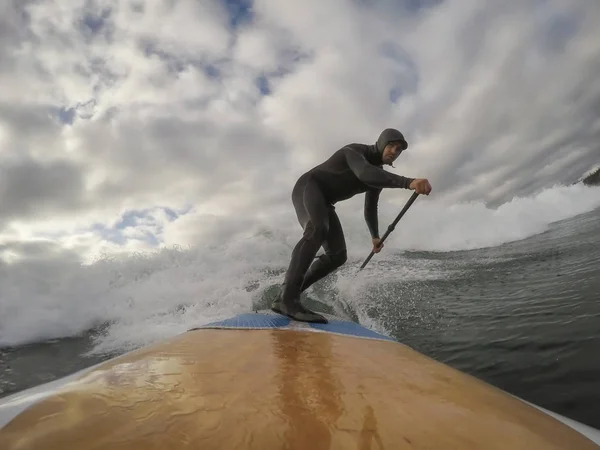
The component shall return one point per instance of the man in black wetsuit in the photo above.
(353, 169)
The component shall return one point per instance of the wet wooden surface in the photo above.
(275, 389)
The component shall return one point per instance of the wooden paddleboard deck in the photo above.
(260, 381)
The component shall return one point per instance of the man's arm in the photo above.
(371, 200)
(372, 175)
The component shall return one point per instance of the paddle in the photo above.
(392, 226)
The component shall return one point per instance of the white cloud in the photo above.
(496, 99)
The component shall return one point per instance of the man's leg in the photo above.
(313, 214)
(335, 253)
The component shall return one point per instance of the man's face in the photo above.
(391, 152)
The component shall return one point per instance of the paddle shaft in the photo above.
(410, 201)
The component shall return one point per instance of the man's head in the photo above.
(390, 144)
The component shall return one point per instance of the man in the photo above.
(353, 169)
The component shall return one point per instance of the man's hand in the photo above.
(420, 186)
(377, 245)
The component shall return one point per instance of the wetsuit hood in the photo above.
(389, 135)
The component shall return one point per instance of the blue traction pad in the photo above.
(267, 320)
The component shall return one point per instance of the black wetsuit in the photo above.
(353, 169)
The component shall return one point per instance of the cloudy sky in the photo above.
(130, 124)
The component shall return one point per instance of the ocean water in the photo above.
(510, 295)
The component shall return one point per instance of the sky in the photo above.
(129, 125)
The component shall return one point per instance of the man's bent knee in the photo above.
(339, 258)
(318, 232)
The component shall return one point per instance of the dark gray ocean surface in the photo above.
(523, 316)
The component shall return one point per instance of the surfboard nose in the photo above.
(261, 381)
